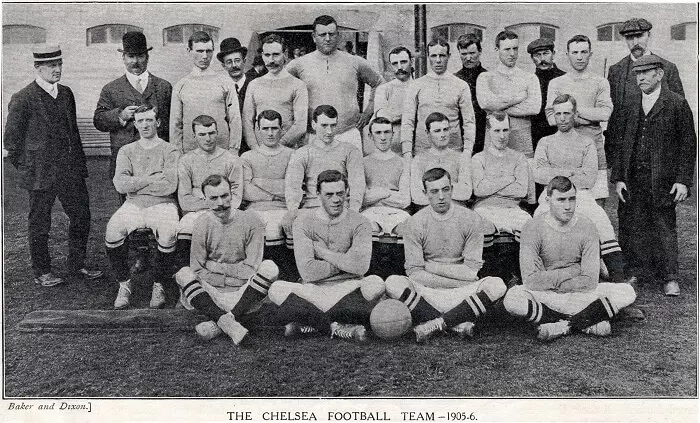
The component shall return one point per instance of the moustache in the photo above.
(221, 208)
(402, 72)
(235, 68)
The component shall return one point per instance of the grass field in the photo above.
(656, 358)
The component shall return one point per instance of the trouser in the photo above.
(648, 232)
(73, 195)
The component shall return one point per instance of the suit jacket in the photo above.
(673, 139)
(623, 94)
(30, 138)
(119, 94)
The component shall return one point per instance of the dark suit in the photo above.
(657, 150)
(470, 75)
(42, 139)
(624, 92)
(249, 76)
(119, 94)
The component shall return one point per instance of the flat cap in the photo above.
(650, 61)
(635, 26)
(540, 44)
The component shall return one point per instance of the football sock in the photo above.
(615, 263)
(421, 310)
(468, 310)
(352, 308)
(165, 267)
(201, 300)
(597, 311)
(118, 257)
(253, 292)
(182, 250)
(538, 313)
(297, 309)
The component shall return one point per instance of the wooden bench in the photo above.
(95, 143)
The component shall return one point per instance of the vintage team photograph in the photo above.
(255, 200)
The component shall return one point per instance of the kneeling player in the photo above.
(560, 264)
(443, 245)
(333, 247)
(226, 276)
(388, 182)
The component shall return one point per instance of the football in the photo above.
(390, 319)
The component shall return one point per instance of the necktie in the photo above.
(142, 85)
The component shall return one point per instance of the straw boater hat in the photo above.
(46, 52)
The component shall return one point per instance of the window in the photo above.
(109, 34)
(610, 32)
(684, 31)
(529, 31)
(23, 34)
(179, 34)
(452, 32)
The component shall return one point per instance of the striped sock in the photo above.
(421, 311)
(597, 311)
(253, 292)
(469, 310)
(538, 313)
(200, 300)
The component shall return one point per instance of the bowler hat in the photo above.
(46, 52)
(134, 42)
(635, 26)
(650, 61)
(228, 46)
(540, 44)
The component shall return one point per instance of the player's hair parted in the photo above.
(274, 38)
(328, 176)
(499, 115)
(399, 49)
(214, 181)
(438, 42)
(269, 115)
(559, 183)
(434, 117)
(563, 98)
(505, 35)
(146, 107)
(465, 40)
(379, 121)
(432, 175)
(578, 39)
(326, 110)
(199, 37)
(203, 120)
(324, 20)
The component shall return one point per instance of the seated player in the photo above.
(323, 152)
(443, 245)
(226, 277)
(387, 194)
(195, 166)
(146, 171)
(570, 154)
(264, 170)
(560, 264)
(500, 178)
(333, 247)
(439, 155)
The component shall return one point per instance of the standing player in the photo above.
(443, 245)
(226, 276)
(560, 264)
(193, 168)
(333, 247)
(388, 102)
(147, 173)
(437, 128)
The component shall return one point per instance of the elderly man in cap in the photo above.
(120, 98)
(43, 143)
(542, 53)
(624, 90)
(653, 172)
(204, 92)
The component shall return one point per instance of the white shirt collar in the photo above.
(134, 80)
(52, 89)
(240, 82)
(648, 100)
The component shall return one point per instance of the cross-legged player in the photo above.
(560, 264)
(443, 245)
(333, 247)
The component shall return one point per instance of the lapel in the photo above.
(128, 92)
(150, 88)
(659, 105)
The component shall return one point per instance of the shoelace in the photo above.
(306, 329)
(435, 326)
(343, 333)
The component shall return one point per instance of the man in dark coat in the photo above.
(469, 47)
(542, 53)
(653, 172)
(119, 98)
(43, 143)
(623, 84)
